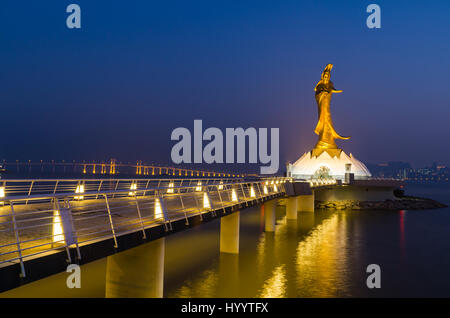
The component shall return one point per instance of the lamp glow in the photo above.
(158, 209)
(206, 203)
(132, 187)
(170, 190)
(57, 230)
(79, 189)
(252, 192)
(234, 197)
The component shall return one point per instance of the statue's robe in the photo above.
(324, 127)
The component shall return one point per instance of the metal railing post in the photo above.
(140, 217)
(259, 190)
(67, 204)
(57, 207)
(29, 191)
(16, 233)
(110, 221)
(221, 201)
(99, 187)
(115, 188)
(56, 186)
(245, 197)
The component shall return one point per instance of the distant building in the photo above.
(403, 170)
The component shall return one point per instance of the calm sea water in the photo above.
(322, 254)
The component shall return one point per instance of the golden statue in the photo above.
(327, 134)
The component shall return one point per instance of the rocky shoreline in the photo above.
(403, 203)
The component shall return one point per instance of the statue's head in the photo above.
(326, 73)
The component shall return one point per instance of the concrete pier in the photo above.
(269, 215)
(291, 208)
(305, 203)
(138, 272)
(229, 233)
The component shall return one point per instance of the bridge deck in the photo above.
(34, 225)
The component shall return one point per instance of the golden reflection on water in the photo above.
(307, 257)
(203, 287)
(275, 286)
(321, 260)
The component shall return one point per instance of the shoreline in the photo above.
(403, 203)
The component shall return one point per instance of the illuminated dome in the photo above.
(308, 165)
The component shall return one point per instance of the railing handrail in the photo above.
(34, 197)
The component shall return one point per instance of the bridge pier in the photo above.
(291, 208)
(305, 203)
(138, 272)
(229, 233)
(269, 215)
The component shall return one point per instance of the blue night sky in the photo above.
(138, 69)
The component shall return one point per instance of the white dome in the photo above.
(307, 165)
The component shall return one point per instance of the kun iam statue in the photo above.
(325, 129)
(326, 159)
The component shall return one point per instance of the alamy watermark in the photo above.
(235, 143)
(74, 279)
(374, 279)
(374, 19)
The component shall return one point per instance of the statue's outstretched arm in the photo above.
(337, 91)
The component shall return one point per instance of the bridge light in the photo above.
(275, 188)
(206, 203)
(252, 192)
(158, 209)
(2, 194)
(170, 190)
(57, 230)
(234, 197)
(199, 186)
(221, 185)
(132, 187)
(265, 190)
(79, 189)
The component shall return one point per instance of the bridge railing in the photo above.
(34, 224)
(20, 187)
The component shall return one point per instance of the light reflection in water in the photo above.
(275, 286)
(321, 260)
(323, 254)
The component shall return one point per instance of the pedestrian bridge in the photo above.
(45, 224)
